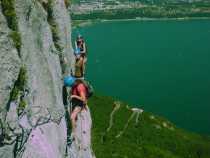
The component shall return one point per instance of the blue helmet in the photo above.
(79, 36)
(69, 81)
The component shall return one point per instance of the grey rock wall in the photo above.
(9, 65)
(39, 129)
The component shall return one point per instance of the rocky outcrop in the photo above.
(9, 65)
(81, 144)
(33, 62)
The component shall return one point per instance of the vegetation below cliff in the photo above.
(122, 133)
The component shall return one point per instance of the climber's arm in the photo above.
(84, 48)
(82, 97)
(82, 93)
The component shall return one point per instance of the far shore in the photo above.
(88, 22)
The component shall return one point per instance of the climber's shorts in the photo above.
(77, 103)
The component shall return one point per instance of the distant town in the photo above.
(90, 6)
(111, 9)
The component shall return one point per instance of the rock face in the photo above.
(81, 146)
(9, 65)
(32, 113)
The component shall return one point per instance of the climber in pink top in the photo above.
(78, 100)
(78, 97)
(81, 91)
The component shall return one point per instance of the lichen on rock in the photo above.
(9, 65)
(8, 9)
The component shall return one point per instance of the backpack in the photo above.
(78, 69)
(90, 90)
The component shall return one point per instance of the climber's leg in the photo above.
(76, 110)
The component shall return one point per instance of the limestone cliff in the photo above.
(35, 54)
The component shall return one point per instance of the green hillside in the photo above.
(146, 136)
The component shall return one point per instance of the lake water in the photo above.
(162, 65)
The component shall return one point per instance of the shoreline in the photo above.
(88, 22)
(158, 19)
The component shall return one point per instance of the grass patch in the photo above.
(18, 89)
(142, 139)
(48, 6)
(8, 9)
(15, 35)
(67, 3)
(9, 12)
(53, 26)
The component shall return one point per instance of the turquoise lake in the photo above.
(162, 66)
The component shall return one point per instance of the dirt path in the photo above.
(136, 112)
(116, 108)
